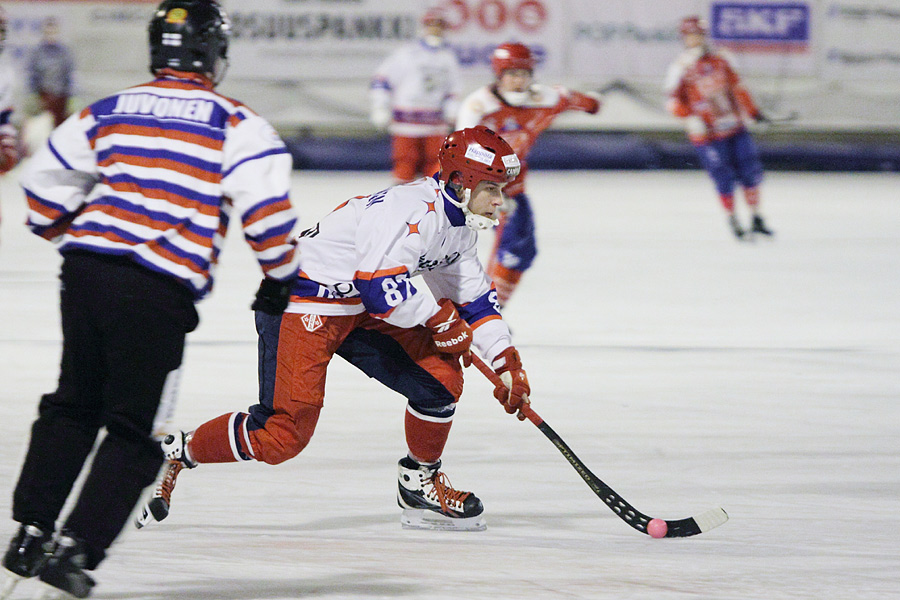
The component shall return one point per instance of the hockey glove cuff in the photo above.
(273, 296)
(450, 332)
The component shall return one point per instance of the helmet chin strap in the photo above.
(473, 220)
(219, 69)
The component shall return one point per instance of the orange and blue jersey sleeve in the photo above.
(389, 241)
(59, 177)
(256, 176)
(382, 291)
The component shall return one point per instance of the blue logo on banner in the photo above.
(765, 26)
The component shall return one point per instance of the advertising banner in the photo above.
(625, 40)
(321, 39)
(862, 41)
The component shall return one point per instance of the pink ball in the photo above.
(657, 528)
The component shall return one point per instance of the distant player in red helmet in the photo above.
(415, 95)
(519, 110)
(705, 91)
(356, 298)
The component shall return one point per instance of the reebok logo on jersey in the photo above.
(160, 106)
(453, 342)
(311, 322)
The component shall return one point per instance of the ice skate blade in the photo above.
(419, 518)
(48, 592)
(12, 580)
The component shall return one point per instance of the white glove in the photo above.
(380, 116)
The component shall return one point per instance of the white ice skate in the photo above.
(174, 447)
(429, 502)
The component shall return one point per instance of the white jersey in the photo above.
(362, 256)
(419, 85)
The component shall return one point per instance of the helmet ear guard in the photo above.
(190, 35)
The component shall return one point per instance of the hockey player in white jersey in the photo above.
(9, 150)
(415, 95)
(355, 297)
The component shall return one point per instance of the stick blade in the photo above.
(696, 525)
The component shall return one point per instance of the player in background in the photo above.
(355, 298)
(415, 95)
(9, 147)
(51, 71)
(704, 90)
(136, 191)
(519, 110)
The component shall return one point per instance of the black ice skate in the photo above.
(174, 447)
(429, 502)
(65, 567)
(736, 228)
(27, 553)
(759, 226)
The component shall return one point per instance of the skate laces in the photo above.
(443, 492)
(167, 485)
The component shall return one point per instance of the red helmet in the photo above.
(693, 24)
(435, 15)
(477, 154)
(511, 56)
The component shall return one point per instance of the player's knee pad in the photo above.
(284, 438)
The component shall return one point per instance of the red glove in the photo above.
(451, 333)
(513, 394)
(9, 152)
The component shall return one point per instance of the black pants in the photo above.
(124, 329)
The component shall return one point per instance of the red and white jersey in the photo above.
(520, 118)
(154, 172)
(420, 85)
(363, 255)
(704, 88)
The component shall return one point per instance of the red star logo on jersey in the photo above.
(413, 228)
(430, 206)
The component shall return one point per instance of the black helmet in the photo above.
(190, 35)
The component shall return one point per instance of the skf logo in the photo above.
(761, 26)
(176, 16)
(311, 322)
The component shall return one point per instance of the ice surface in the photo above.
(687, 370)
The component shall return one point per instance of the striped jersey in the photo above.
(154, 172)
(363, 256)
(521, 121)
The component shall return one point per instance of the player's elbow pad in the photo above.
(677, 108)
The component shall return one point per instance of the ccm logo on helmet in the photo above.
(452, 342)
